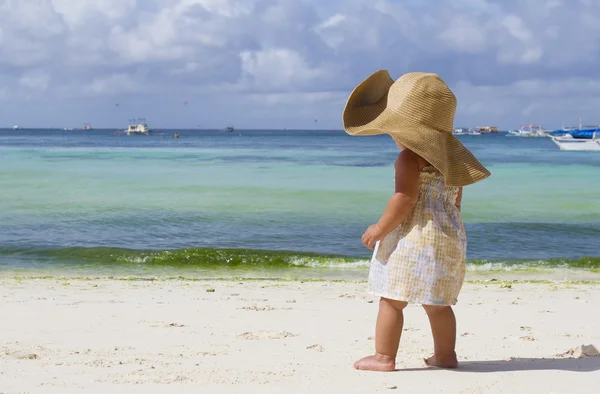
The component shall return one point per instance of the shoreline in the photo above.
(293, 274)
(294, 336)
(137, 278)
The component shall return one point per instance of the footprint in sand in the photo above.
(28, 356)
(86, 351)
(266, 335)
(316, 347)
(207, 354)
(258, 308)
(527, 338)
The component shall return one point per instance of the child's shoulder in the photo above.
(409, 157)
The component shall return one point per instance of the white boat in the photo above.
(530, 131)
(466, 131)
(17, 127)
(568, 142)
(138, 127)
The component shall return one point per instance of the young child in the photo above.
(419, 241)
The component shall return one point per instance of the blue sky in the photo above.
(287, 63)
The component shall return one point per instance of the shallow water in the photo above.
(302, 191)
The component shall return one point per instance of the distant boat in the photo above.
(465, 131)
(87, 126)
(229, 129)
(530, 131)
(138, 126)
(486, 129)
(17, 127)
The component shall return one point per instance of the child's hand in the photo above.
(372, 235)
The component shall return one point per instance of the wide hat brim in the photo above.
(367, 113)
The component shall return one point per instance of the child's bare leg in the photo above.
(443, 328)
(388, 329)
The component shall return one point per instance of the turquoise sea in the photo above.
(266, 202)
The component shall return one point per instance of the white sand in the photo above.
(283, 337)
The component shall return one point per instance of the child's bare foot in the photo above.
(442, 360)
(377, 362)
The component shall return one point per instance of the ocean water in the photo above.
(262, 201)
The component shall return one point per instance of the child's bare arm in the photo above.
(406, 192)
(401, 202)
(459, 197)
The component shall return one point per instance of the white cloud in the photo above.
(515, 26)
(463, 35)
(278, 69)
(333, 21)
(83, 13)
(520, 46)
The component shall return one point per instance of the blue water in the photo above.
(63, 193)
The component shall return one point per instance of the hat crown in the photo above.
(423, 98)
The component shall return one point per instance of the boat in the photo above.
(17, 127)
(530, 131)
(229, 129)
(570, 142)
(583, 132)
(87, 126)
(486, 129)
(137, 127)
(577, 138)
(465, 131)
(579, 131)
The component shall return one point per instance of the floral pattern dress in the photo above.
(423, 260)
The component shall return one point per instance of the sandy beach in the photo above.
(242, 336)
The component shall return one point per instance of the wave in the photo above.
(193, 257)
(239, 258)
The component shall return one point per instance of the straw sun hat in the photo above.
(417, 111)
